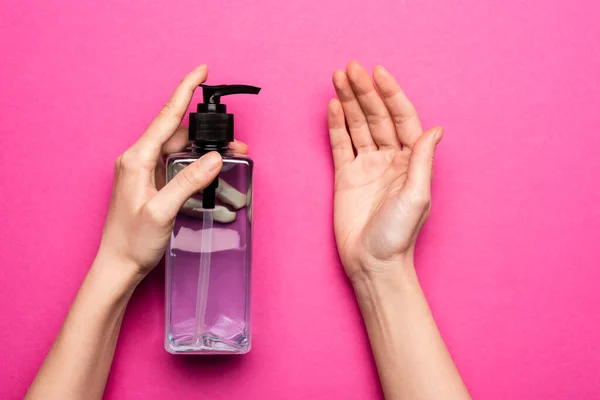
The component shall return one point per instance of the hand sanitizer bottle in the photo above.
(208, 256)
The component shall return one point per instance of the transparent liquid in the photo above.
(224, 322)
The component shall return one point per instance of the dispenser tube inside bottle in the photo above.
(203, 273)
(208, 206)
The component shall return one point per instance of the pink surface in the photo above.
(510, 260)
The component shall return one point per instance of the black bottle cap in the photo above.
(211, 123)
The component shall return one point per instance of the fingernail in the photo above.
(339, 77)
(353, 64)
(212, 161)
(382, 69)
(438, 135)
(202, 67)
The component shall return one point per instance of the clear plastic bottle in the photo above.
(208, 259)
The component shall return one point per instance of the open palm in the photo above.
(383, 166)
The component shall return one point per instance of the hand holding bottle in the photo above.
(382, 194)
(143, 208)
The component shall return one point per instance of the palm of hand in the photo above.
(378, 208)
(365, 191)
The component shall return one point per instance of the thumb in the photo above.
(165, 204)
(420, 165)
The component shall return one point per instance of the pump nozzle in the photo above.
(212, 94)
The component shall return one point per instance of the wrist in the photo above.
(376, 280)
(119, 274)
(371, 271)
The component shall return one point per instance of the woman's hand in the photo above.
(382, 199)
(143, 207)
(382, 194)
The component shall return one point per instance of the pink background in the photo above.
(510, 260)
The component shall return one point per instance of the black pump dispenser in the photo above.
(211, 127)
(211, 124)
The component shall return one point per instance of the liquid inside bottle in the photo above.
(208, 295)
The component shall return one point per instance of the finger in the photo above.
(230, 195)
(239, 147)
(355, 118)
(169, 118)
(420, 165)
(249, 204)
(193, 208)
(378, 118)
(165, 204)
(177, 142)
(160, 173)
(341, 145)
(404, 114)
